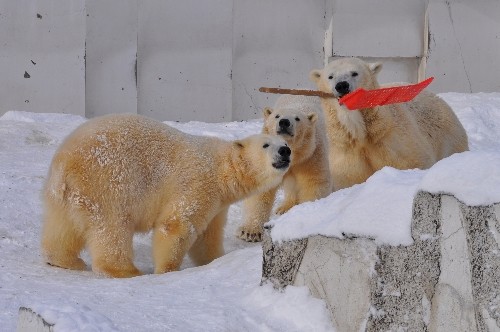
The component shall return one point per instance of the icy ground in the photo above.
(224, 295)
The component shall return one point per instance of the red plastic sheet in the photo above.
(362, 98)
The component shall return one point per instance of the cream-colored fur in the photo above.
(408, 135)
(121, 174)
(303, 128)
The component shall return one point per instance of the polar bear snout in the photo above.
(285, 151)
(285, 127)
(284, 123)
(282, 161)
(343, 88)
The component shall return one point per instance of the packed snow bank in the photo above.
(473, 177)
(380, 209)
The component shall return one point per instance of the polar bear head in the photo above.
(295, 126)
(263, 158)
(343, 76)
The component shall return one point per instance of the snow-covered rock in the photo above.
(448, 279)
(30, 321)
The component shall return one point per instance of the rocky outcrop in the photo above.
(447, 280)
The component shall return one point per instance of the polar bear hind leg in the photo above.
(61, 242)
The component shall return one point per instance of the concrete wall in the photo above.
(192, 60)
(42, 56)
(464, 45)
(111, 53)
(456, 41)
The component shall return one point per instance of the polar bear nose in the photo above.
(284, 123)
(342, 87)
(284, 151)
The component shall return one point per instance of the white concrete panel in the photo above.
(111, 49)
(395, 69)
(275, 44)
(42, 48)
(382, 28)
(206, 60)
(184, 60)
(464, 46)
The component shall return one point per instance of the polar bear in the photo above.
(299, 120)
(409, 135)
(120, 174)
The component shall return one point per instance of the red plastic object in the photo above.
(362, 98)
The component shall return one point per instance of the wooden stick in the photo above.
(297, 92)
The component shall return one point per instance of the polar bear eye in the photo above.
(354, 74)
(265, 145)
(297, 119)
(277, 116)
(330, 77)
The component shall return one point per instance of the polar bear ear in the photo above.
(267, 111)
(312, 117)
(375, 67)
(315, 75)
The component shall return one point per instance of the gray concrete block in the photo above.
(281, 261)
(447, 280)
(30, 321)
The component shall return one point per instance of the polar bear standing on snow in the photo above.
(299, 120)
(120, 174)
(409, 135)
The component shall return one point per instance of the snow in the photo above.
(380, 209)
(225, 295)
(472, 177)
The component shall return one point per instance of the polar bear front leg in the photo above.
(290, 191)
(257, 211)
(313, 186)
(209, 245)
(171, 240)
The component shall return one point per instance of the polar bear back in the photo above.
(137, 163)
(439, 124)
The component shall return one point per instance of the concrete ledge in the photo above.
(30, 321)
(447, 280)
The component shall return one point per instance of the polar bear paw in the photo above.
(250, 233)
(285, 207)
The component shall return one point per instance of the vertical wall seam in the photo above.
(136, 58)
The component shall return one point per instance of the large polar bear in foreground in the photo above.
(120, 174)
(409, 135)
(299, 120)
